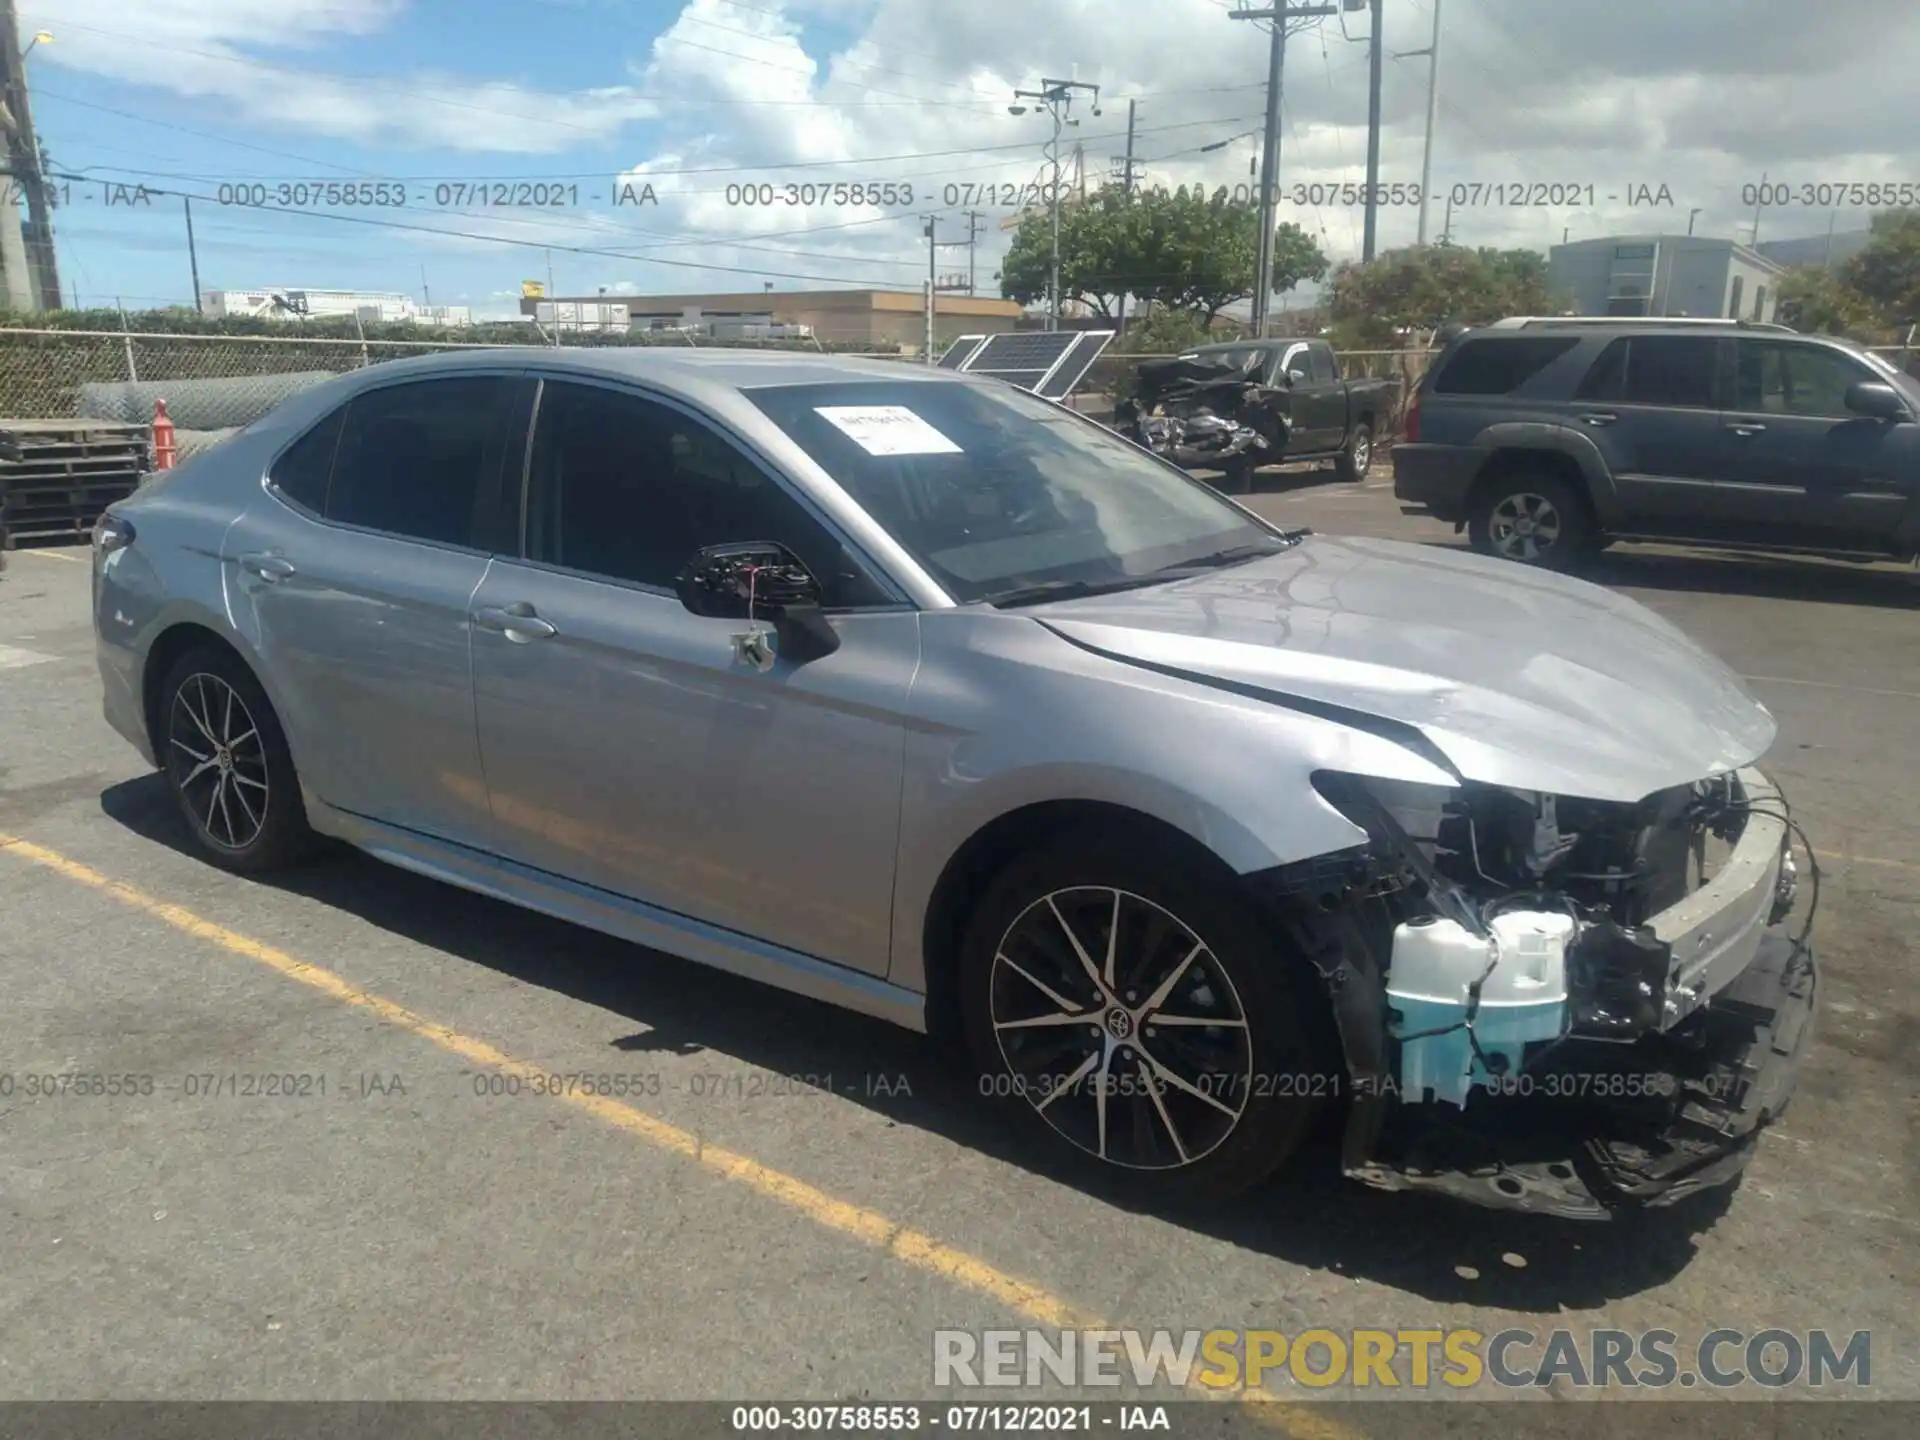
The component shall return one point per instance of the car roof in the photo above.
(686, 369)
(1615, 323)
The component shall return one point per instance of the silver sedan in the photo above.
(922, 696)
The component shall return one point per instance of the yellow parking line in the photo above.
(1831, 685)
(912, 1247)
(51, 555)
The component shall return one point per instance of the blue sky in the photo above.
(695, 96)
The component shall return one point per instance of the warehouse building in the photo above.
(884, 319)
(1651, 275)
(371, 306)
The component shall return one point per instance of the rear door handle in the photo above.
(1740, 428)
(1598, 417)
(516, 621)
(267, 567)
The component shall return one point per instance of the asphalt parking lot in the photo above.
(396, 1229)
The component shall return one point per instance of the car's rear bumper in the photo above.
(1436, 478)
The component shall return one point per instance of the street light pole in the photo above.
(1432, 52)
(1371, 232)
(1057, 96)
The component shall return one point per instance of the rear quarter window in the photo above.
(1499, 366)
(304, 467)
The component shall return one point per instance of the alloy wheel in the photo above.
(1362, 453)
(1121, 1028)
(1524, 526)
(217, 762)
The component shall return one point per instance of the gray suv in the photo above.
(1548, 439)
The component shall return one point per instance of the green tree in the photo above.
(1375, 304)
(1887, 273)
(1816, 299)
(1183, 249)
(1094, 240)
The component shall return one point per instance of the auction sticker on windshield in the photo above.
(887, 430)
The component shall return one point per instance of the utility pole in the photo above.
(1371, 233)
(1126, 192)
(193, 255)
(1277, 16)
(23, 149)
(1432, 52)
(933, 281)
(974, 227)
(426, 295)
(1057, 97)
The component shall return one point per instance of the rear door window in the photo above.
(1323, 367)
(422, 460)
(1499, 366)
(1673, 371)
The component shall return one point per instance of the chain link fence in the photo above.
(116, 376)
(42, 372)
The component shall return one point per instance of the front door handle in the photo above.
(516, 621)
(1598, 417)
(267, 567)
(1745, 428)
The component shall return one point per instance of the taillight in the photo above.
(111, 533)
(1410, 422)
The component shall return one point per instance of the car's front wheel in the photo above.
(227, 763)
(1131, 1005)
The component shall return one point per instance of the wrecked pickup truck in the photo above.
(1236, 407)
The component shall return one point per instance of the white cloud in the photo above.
(245, 56)
(1611, 94)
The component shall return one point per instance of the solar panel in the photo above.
(960, 352)
(1074, 365)
(1021, 352)
(1047, 362)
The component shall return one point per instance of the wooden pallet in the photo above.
(56, 476)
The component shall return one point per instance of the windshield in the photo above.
(996, 493)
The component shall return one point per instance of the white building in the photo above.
(370, 306)
(575, 315)
(1658, 275)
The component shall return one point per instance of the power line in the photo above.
(401, 225)
(605, 173)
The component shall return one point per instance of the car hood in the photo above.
(1518, 677)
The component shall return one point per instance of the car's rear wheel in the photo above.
(227, 763)
(1354, 461)
(1536, 518)
(1132, 1007)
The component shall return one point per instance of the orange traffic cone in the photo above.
(164, 449)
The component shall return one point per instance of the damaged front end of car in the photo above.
(1557, 1004)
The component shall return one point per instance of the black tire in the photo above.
(1353, 462)
(1534, 517)
(1236, 477)
(227, 763)
(1165, 1141)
